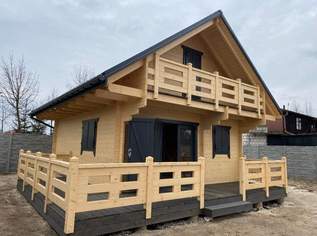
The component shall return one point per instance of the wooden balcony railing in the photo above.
(171, 77)
(255, 174)
(76, 187)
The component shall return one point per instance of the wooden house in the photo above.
(156, 138)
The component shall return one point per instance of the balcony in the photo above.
(202, 89)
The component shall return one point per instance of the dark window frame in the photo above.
(224, 134)
(89, 127)
(193, 52)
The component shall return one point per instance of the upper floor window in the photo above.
(298, 123)
(89, 135)
(221, 140)
(192, 56)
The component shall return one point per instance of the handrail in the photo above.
(168, 76)
(58, 182)
(264, 173)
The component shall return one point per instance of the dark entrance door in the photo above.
(139, 141)
(163, 139)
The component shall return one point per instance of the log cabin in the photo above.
(156, 138)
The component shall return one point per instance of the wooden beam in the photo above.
(185, 37)
(91, 98)
(125, 71)
(213, 52)
(102, 93)
(125, 90)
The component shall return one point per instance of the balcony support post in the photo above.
(217, 90)
(258, 102)
(156, 75)
(189, 83)
(239, 96)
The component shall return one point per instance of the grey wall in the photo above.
(301, 160)
(10, 144)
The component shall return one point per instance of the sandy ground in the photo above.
(297, 216)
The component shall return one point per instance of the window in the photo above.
(89, 134)
(221, 140)
(192, 56)
(298, 123)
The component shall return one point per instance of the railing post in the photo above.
(217, 90)
(201, 160)
(38, 154)
(239, 96)
(19, 161)
(48, 182)
(149, 187)
(243, 178)
(267, 176)
(71, 197)
(258, 101)
(26, 168)
(285, 173)
(189, 83)
(156, 75)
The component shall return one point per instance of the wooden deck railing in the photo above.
(76, 187)
(255, 174)
(170, 76)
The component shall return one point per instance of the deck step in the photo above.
(227, 209)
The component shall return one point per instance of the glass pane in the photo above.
(186, 143)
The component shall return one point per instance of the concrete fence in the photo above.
(10, 144)
(301, 160)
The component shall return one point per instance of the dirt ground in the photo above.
(297, 216)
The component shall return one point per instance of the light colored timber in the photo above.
(125, 90)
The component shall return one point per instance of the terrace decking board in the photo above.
(126, 218)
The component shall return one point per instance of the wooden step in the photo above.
(227, 209)
(222, 200)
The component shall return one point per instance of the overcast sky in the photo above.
(55, 36)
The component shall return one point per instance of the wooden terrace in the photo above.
(81, 199)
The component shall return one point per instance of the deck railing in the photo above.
(172, 77)
(255, 174)
(76, 187)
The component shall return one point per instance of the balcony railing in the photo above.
(170, 77)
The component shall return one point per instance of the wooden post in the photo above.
(19, 161)
(217, 90)
(258, 102)
(156, 75)
(48, 183)
(239, 96)
(201, 160)
(243, 178)
(26, 168)
(267, 176)
(38, 154)
(71, 197)
(189, 83)
(149, 187)
(285, 173)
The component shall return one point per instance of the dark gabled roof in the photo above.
(286, 112)
(103, 77)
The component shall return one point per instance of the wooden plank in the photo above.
(125, 90)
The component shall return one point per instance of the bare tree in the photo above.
(4, 113)
(295, 106)
(19, 88)
(308, 108)
(81, 74)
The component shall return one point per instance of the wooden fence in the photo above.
(174, 77)
(255, 174)
(76, 187)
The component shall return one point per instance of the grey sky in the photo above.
(54, 36)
